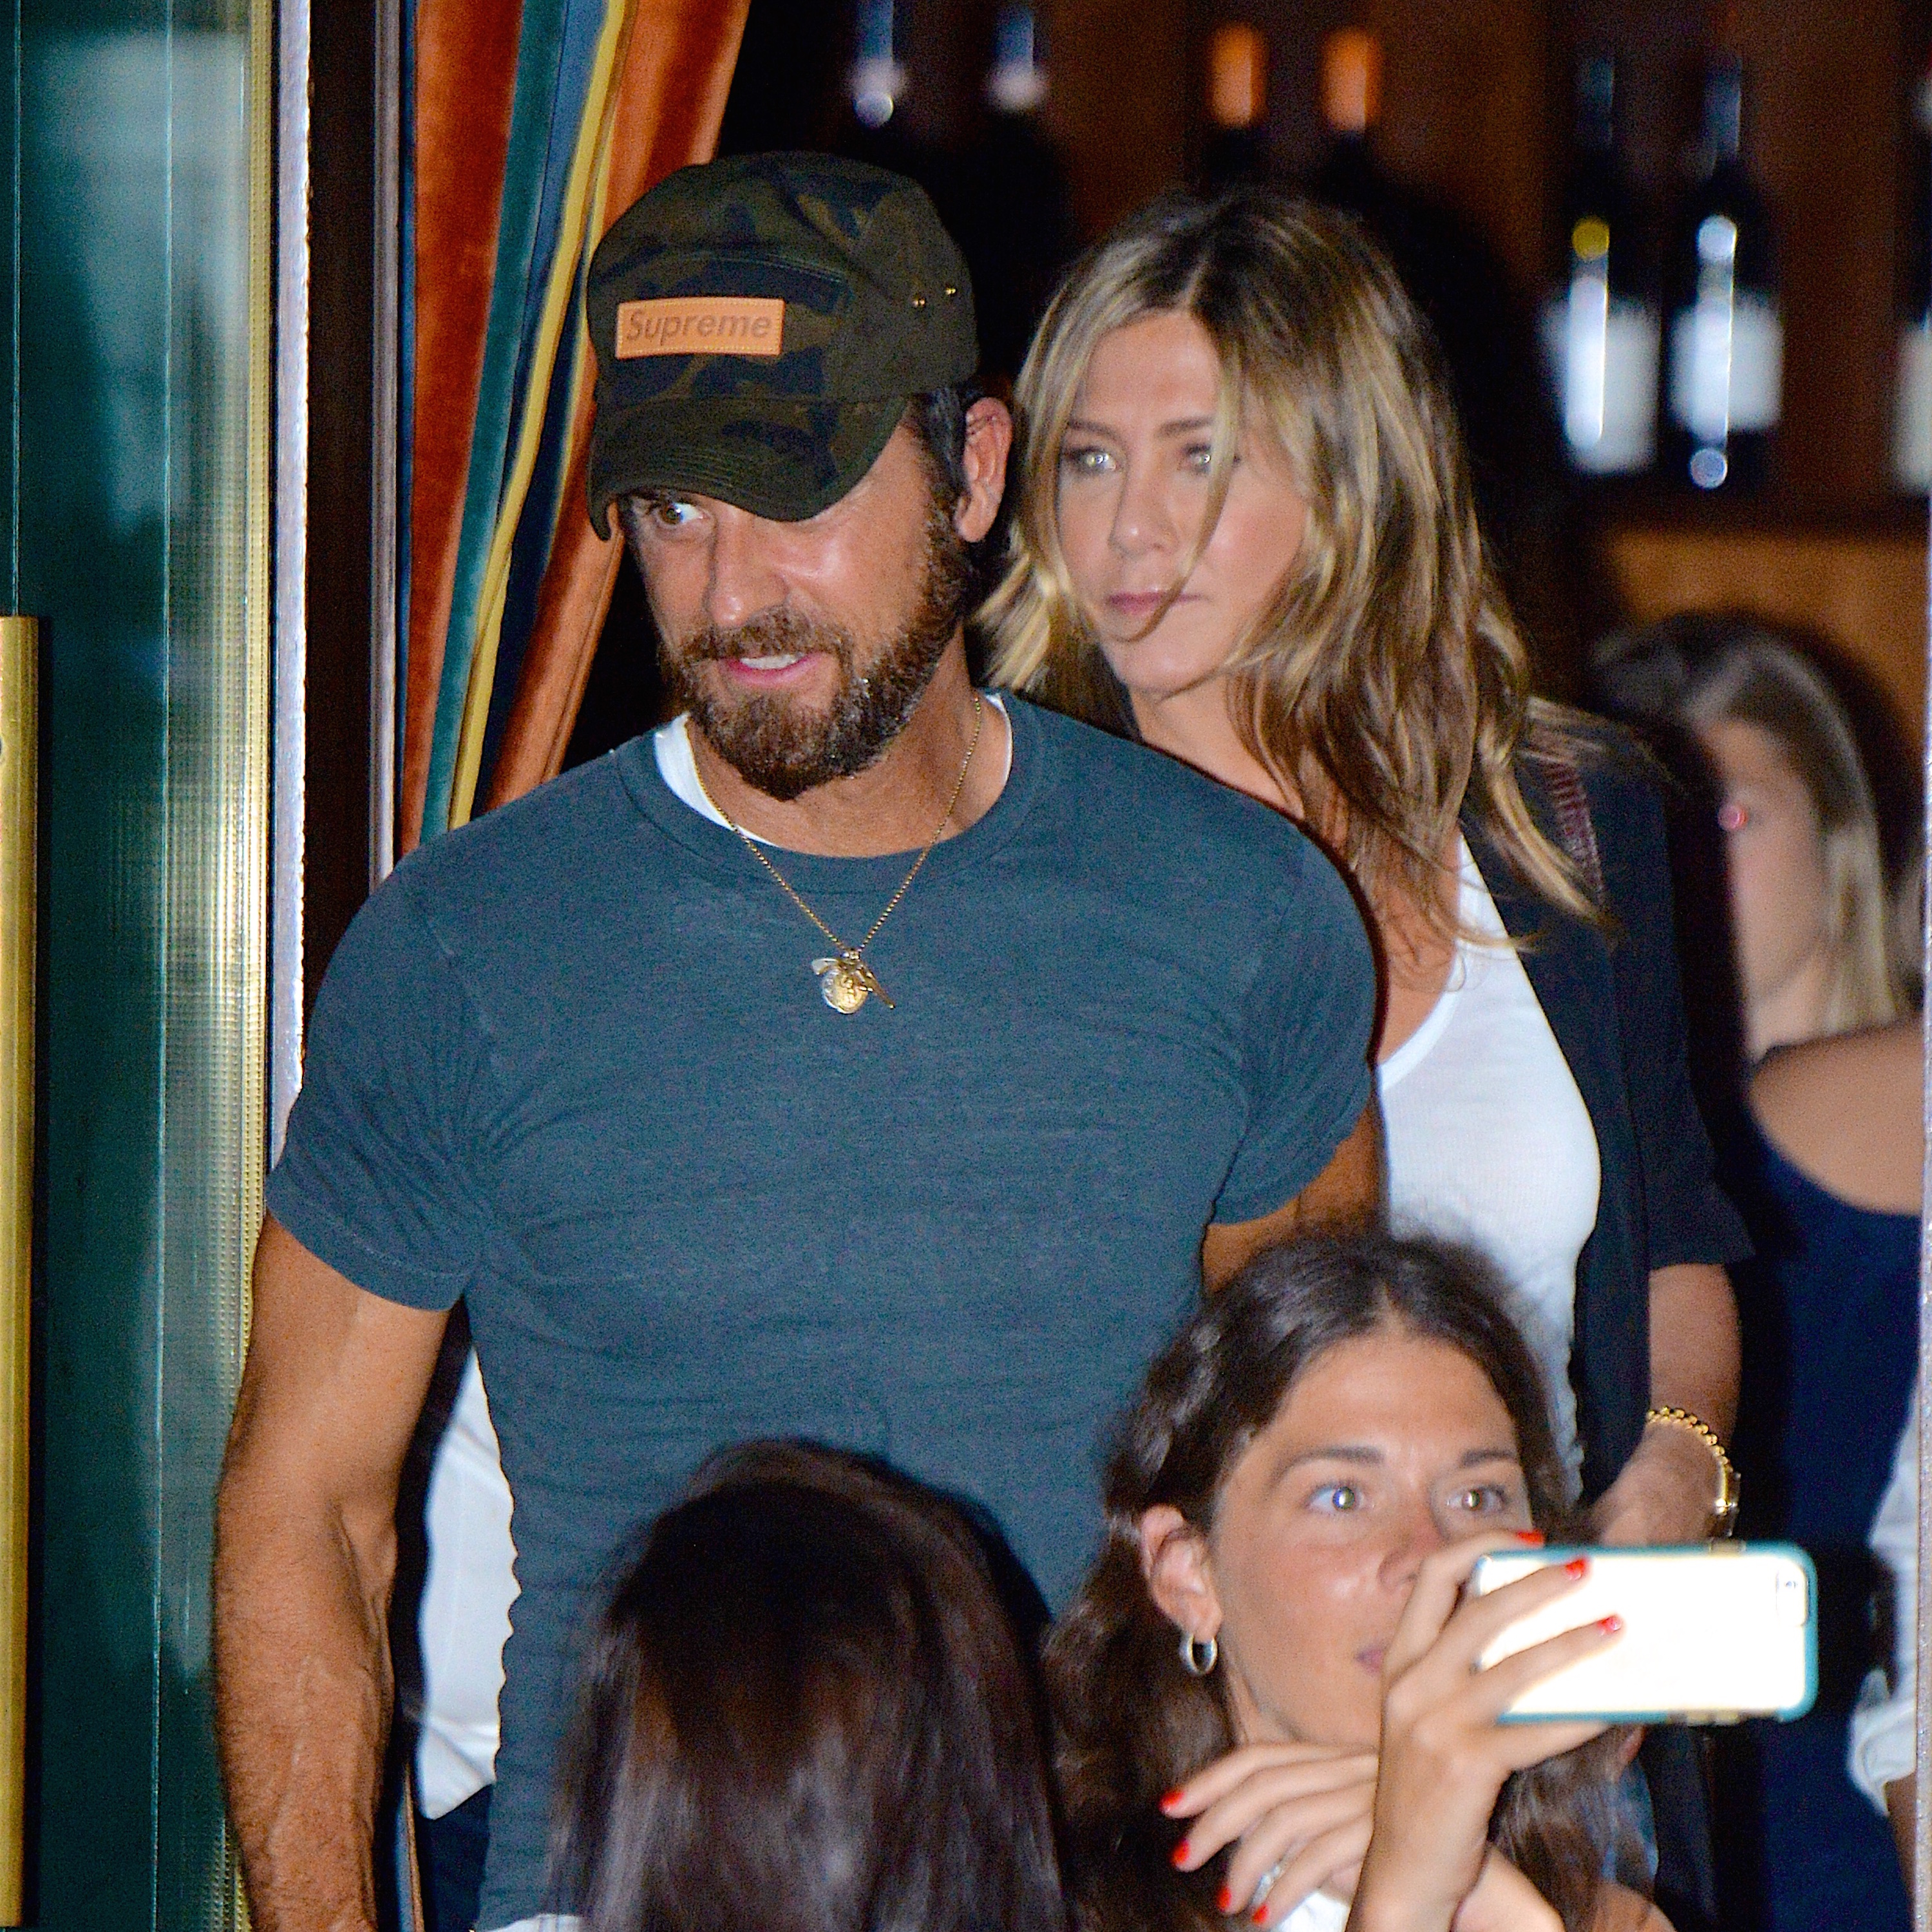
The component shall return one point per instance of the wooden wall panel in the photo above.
(1863, 594)
(1465, 114)
(1829, 126)
(1123, 85)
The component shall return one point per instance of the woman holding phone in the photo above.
(1266, 1690)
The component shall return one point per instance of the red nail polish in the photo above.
(1169, 1799)
(1179, 1854)
(1578, 1567)
(1224, 1899)
(1533, 1538)
(1260, 1914)
(1610, 1624)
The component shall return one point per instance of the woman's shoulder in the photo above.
(1623, 1910)
(1848, 1112)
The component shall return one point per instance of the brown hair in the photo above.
(1386, 680)
(805, 1709)
(1132, 1722)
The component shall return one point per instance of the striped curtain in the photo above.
(533, 126)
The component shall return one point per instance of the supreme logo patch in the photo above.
(701, 325)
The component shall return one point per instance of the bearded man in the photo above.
(856, 1058)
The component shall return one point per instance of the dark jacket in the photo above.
(1614, 1004)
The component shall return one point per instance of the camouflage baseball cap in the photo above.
(760, 324)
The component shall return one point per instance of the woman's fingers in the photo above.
(1333, 1859)
(1277, 1791)
(1438, 1589)
(1493, 1690)
(1283, 1839)
(1477, 1621)
(1227, 1773)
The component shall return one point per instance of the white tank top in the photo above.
(1317, 1912)
(1489, 1142)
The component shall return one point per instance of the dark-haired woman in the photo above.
(805, 1710)
(1266, 1690)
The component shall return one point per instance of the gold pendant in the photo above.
(847, 982)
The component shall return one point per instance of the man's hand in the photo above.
(305, 1552)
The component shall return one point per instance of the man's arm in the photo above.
(1669, 1486)
(305, 1554)
(1348, 1193)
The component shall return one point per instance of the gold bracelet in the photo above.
(1724, 1511)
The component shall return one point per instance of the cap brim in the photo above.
(783, 461)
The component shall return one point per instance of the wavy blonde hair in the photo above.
(1385, 681)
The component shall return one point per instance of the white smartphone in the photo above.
(1712, 1633)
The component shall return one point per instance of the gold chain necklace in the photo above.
(845, 981)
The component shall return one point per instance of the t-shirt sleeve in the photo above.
(1687, 1217)
(376, 1176)
(1310, 1014)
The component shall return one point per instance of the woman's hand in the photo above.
(1444, 1757)
(1665, 1493)
(1304, 1808)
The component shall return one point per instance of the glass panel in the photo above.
(141, 300)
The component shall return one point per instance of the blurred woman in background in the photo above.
(1808, 904)
(1825, 1154)
(805, 1710)
(1266, 1692)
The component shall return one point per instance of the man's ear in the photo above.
(1180, 1579)
(989, 440)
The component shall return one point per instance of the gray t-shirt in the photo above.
(572, 1062)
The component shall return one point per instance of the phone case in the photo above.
(1712, 1633)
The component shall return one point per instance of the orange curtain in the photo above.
(536, 124)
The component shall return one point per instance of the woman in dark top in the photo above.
(1830, 1176)
(1828, 1309)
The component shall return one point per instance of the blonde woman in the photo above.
(1246, 535)
(1809, 911)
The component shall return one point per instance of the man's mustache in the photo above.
(771, 633)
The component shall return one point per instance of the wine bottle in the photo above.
(1599, 326)
(1237, 102)
(878, 80)
(1012, 213)
(1016, 81)
(1912, 398)
(1727, 330)
(1351, 104)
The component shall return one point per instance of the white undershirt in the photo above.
(1883, 1746)
(1489, 1142)
(678, 767)
(464, 1621)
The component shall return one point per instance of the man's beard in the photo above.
(783, 750)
